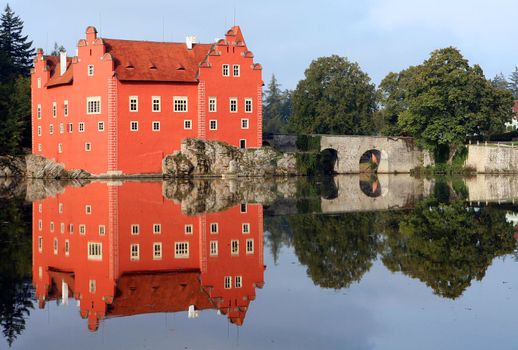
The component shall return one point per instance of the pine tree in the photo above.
(500, 82)
(277, 107)
(57, 49)
(513, 83)
(14, 44)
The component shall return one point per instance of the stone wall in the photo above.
(492, 159)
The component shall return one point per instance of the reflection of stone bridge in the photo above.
(391, 154)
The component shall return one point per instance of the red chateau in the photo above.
(119, 106)
(122, 250)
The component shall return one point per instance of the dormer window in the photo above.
(90, 70)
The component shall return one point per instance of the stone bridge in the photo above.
(390, 154)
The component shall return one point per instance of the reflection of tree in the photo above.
(15, 268)
(337, 250)
(277, 233)
(446, 245)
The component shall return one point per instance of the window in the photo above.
(82, 229)
(245, 228)
(157, 228)
(157, 251)
(81, 127)
(238, 282)
(60, 148)
(248, 105)
(233, 105)
(244, 123)
(61, 128)
(70, 127)
(88, 209)
(54, 109)
(65, 108)
(55, 246)
(93, 105)
(155, 102)
(134, 126)
(40, 225)
(51, 129)
(135, 229)
(102, 230)
(100, 126)
(235, 70)
(234, 247)
(133, 103)
(52, 226)
(39, 147)
(214, 227)
(90, 70)
(228, 282)
(91, 286)
(242, 143)
(188, 229)
(181, 250)
(156, 126)
(249, 246)
(40, 208)
(39, 130)
(225, 70)
(134, 252)
(187, 124)
(60, 208)
(180, 103)
(88, 146)
(39, 83)
(243, 208)
(213, 125)
(213, 104)
(95, 251)
(40, 244)
(62, 227)
(213, 248)
(67, 247)
(71, 228)
(38, 113)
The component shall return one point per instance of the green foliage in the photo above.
(513, 83)
(276, 108)
(57, 49)
(442, 102)
(308, 143)
(336, 97)
(500, 82)
(14, 43)
(308, 163)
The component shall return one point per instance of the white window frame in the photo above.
(243, 208)
(232, 101)
(132, 123)
(250, 246)
(133, 100)
(51, 226)
(67, 247)
(245, 228)
(214, 228)
(40, 244)
(39, 83)
(62, 227)
(102, 230)
(213, 104)
(100, 126)
(181, 250)
(180, 104)
(153, 124)
(95, 251)
(81, 127)
(90, 70)
(40, 224)
(39, 130)
(154, 99)
(236, 68)
(225, 70)
(70, 127)
(88, 146)
(244, 143)
(249, 105)
(82, 229)
(234, 247)
(134, 252)
(227, 282)
(92, 286)
(60, 148)
(88, 209)
(65, 108)
(135, 229)
(245, 123)
(54, 110)
(39, 147)
(61, 128)
(38, 111)
(51, 129)
(56, 246)
(157, 229)
(213, 248)
(93, 105)
(159, 255)
(211, 122)
(187, 124)
(188, 229)
(238, 282)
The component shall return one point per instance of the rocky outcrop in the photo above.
(12, 166)
(199, 158)
(214, 195)
(39, 167)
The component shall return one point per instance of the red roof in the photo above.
(515, 109)
(157, 61)
(55, 78)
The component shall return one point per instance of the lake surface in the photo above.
(351, 262)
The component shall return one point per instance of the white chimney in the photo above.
(190, 41)
(62, 62)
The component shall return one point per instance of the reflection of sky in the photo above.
(383, 311)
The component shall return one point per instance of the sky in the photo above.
(381, 35)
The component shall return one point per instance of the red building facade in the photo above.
(119, 106)
(122, 250)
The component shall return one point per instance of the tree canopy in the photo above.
(443, 102)
(14, 43)
(336, 97)
(276, 107)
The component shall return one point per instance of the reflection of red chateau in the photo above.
(126, 250)
(119, 106)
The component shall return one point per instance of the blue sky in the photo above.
(285, 36)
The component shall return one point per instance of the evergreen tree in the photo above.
(513, 83)
(57, 49)
(500, 82)
(14, 44)
(277, 107)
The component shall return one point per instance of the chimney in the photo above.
(62, 62)
(190, 41)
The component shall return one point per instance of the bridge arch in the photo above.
(328, 162)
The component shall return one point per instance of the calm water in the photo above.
(346, 263)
